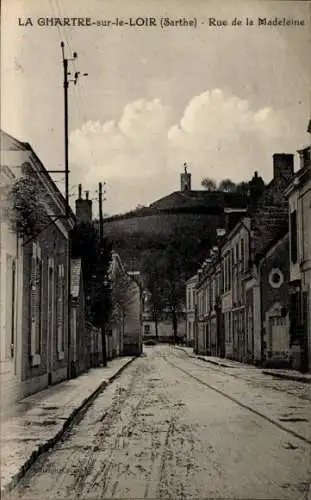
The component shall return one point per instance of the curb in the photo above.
(217, 363)
(296, 378)
(79, 411)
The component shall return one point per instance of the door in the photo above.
(279, 337)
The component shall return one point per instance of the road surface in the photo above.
(173, 427)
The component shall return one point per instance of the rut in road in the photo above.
(249, 408)
(156, 432)
(259, 379)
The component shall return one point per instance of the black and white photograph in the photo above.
(155, 249)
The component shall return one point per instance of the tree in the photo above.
(96, 260)
(227, 185)
(165, 281)
(242, 187)
(209, 184)
(25, 208)
(154, 284)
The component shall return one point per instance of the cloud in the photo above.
(219, 134)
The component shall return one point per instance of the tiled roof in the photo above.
(76, 270)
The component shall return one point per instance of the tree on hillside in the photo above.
(154, 284)
(209, 184)
(242, 187)
(174, 282)
(227, 185)
(165, 279)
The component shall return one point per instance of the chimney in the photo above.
(83, 207)
(283, 165)
(256, 188)
(304, 156)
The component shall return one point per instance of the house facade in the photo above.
(235, 258)
(274, 287)
(190, 309)
(43, 273)
(299, 199)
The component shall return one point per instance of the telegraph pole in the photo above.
(100, 209)
(67, 208)
(66, 84)
(101, 238)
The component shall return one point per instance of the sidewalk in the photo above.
(40, 420)
(228, 363)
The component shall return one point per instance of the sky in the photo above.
(221, 98)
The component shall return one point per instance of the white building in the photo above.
(11, 297)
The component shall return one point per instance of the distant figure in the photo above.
(186, 166)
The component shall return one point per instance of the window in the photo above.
(242, 255)
(146, 329)
(293, 237)
(60, 310)
(36, 292)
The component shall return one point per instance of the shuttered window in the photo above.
(36, 302)
(60, 307)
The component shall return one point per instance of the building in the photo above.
(190, 309)
(269, 223)
(40, 281)
(235, 257)
(299, 199)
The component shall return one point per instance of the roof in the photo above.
(302, 176)
(10, 143)
(191, 280)
(204, 199)
(76, 272)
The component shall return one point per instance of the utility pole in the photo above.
(101, 238)
(67, 207)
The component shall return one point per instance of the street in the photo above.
(172, 426)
